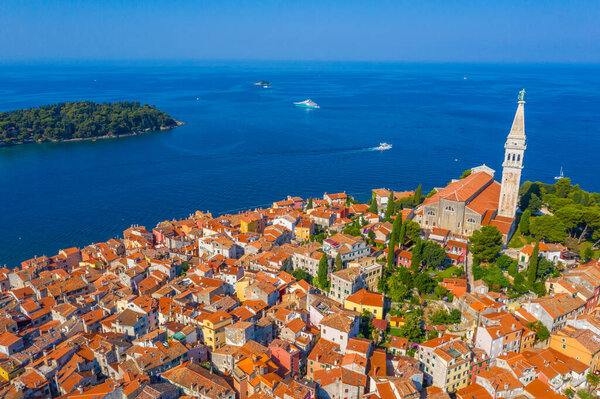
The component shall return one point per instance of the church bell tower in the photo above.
(513, 162)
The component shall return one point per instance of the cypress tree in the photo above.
(373, 205)
(533, 264)
(338, 262)
(390, 256)
(389, 210)
(524, 223)
(310, 204)
(322, 273)
(396, 228)
(402, 234)
(417, 195)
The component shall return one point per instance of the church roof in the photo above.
(464, 189)
(487, 200)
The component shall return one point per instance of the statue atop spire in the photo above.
(522, 95)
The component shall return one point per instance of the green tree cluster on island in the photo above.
(81, 119)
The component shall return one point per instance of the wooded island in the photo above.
(81, 120)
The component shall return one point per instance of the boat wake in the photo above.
(382, 147)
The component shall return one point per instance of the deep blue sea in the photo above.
(245, 146)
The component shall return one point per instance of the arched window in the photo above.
(449, 208)
(519, 157)
(430, 213)
(513, 157)
(470, 220)
(508, 157)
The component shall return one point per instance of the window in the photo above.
(449, 208)
(508, 157)
(471, 220)
(430, 213)
(518, 157)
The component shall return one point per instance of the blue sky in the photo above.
(335, 30)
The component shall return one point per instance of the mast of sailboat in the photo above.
(561, 175)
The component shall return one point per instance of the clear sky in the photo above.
(333, 30)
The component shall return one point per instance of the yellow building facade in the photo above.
(214, 329)
(364, 300)
(572, 343)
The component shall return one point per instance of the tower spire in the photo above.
(513, 162)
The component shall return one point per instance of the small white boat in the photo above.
(263, 83)
(383, 147)
(307, 104)
(561, 176)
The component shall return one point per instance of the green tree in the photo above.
(423, 283)
(513, 269)
(390, 208)
(310, 204)
(562, 188)
(535, 204)
(541, 332)
(412, 230)
(338, 262)
(412, 328)
(417, 195)
(587, 254)
(544, 267)
(504, 261)
(486, 243)
(571, 216)
(322, 273)
(366, 324)
(373, 206)
(548, 228)
(495, 279)
(440, 291)
(415, 263)
(592, 380)
(433, 255)
(533, 264)
(590, 220)
(397, 289)
(466, 173)
(524, 223)
(455, 316)
(400, 238)
(390, 257)
(300, 274)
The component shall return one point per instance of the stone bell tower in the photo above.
(513, 162)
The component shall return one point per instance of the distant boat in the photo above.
(384, 146)
(307, 104)
(263, 83)
(561, 176)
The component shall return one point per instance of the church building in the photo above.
(465, 205)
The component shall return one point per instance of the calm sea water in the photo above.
(245, 146)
